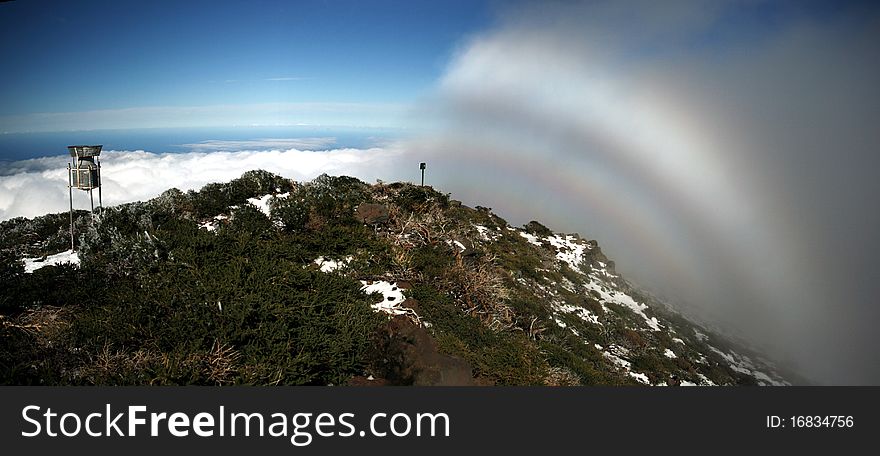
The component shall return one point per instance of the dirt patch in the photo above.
(372, 214)
(407, 355)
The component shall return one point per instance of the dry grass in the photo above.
(479, 287)
(43, 323)
(561, 376)
(218, 365)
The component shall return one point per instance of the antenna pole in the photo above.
(70, 191)
(100, 201)
(422, 167)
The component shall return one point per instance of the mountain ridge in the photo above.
(263, 280)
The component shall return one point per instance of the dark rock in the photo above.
(537, 229)
(410, 357)
(470, 254)
(372, 214)
(412, 303)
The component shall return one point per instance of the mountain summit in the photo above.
(263, 280)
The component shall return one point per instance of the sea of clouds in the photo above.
(38, 186)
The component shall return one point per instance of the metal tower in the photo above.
(84, 174)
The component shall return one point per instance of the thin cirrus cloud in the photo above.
(288, 78)
(216, 145)
(311, 113)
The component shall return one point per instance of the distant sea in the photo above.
(23, 146)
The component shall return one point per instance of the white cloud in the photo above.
(39, 186)
(288, 78)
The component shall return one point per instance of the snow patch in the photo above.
(486, 234)
(583, 314)
(329, 265)
(262, 204)
(456, 243)
(670, 354)
(744, 365)
(531, 238)
(392, 297)
(68, 256)
(214, 223)
(705, 380)
(562, 325)
(613, 354)
(568, 250)
(625, 300)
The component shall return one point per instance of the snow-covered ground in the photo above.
(568, 250)
(598, 281)
(486, 234)
(457, 244)
(623, 299)
(531, 238)
(581, 312)
(264, 203)
(214, 223)
(68, 256)
(392, 297)
(744, 365)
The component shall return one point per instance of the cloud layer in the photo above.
(39, 186)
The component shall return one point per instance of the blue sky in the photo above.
(89, 65)
(93, 55)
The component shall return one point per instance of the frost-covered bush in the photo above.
(292, 212)
(247, 218)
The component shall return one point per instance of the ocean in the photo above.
(23, 146)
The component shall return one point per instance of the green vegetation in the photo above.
(159, 299)
(506, 358)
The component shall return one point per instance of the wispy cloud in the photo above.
(288, 78)
(216, 145)
(313, 113)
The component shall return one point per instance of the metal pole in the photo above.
(423, 177)
(92, 198)
(100, 202)
(70, 191)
